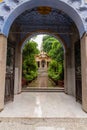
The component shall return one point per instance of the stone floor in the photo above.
(43, 124)
(43, 105)
(43, 111)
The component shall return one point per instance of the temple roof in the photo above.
(42, 55)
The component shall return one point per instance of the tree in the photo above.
(29, 63)
(55, 50)
(47, 43)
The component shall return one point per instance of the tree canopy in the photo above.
(55, 50)
(29, 63)
(53, 47)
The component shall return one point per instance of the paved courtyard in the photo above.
(32, 104)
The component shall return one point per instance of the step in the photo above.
(43, 90)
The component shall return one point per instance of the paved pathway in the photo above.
(42, 81)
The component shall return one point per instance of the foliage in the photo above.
(55, 71)
(55, 50)
(29, 63)
(47, 43)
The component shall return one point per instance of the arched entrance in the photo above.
(43, 62)
(30, 17)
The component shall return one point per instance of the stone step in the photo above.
(43, 90)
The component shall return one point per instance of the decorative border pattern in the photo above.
(7, 6)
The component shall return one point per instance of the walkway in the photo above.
(42, 81)
(43, 105)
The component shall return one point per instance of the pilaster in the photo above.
(3, 52)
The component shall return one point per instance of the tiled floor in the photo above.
(49, 105)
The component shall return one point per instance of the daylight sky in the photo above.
(38, 39)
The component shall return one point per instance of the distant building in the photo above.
(42, 60)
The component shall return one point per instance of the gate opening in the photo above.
(43, 63)
(53, 21)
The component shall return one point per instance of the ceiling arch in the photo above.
(12, 9)
(30, 35)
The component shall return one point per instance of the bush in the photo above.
(29, 63)
(56, 71)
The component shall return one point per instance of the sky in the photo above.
(38, 40)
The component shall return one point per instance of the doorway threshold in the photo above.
(30, 89)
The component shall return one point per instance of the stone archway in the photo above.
(76, 8)
(20, 46)
(79, 20)
(50, 33)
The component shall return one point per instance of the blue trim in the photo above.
(70, 11)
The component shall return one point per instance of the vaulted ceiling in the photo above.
(34, 16)
(53, 19)
(44, 18)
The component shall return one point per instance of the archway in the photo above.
(43, 59)
(16, 33)
(61, 5)
(20, 29)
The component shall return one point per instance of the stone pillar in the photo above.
(73, 82)
(69, 72)
(45, 64)
(84, 71)
(18, 70)
(65, 73)
(3, 52)
(16, 81)
(40, 65)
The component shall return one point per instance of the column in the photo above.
(18, 70)
(65, 73)
(69, 72)
(84, 71)
(3, 52)
(45, 64)
(40, 65)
